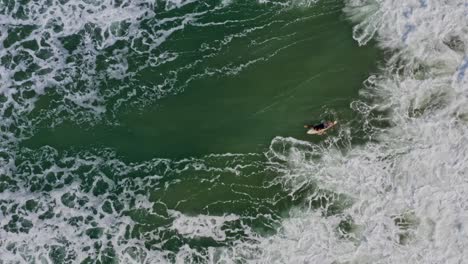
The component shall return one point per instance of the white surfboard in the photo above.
(312, 131)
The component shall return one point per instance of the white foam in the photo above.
(177, 3)
(201, 225)
(75, 206)
(50, 22)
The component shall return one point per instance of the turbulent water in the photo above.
(390, 186)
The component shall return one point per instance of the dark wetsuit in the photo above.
(319, 126)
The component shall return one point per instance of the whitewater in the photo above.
(402, 195)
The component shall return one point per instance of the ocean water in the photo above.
(171, 131)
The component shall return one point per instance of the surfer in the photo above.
(320, 128)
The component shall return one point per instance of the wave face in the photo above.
(400, 197)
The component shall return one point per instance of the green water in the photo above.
(241, 75)
(315, 76)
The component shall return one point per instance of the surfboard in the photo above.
(320, 132)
